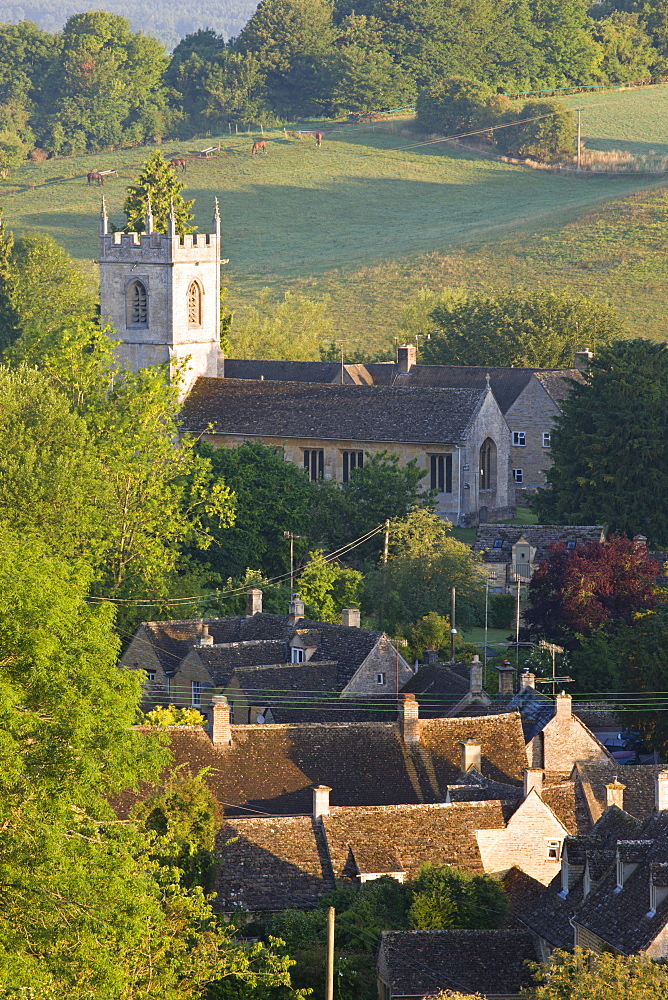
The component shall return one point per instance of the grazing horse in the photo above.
(318, 139)
(94, 176)
(179, 161)
(259, 147)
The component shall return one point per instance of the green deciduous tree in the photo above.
(293, 328)
(454, 105)
(628, 54)
(443, 896)
(157, 181)
(517, 328)
(589, 976)
(545, 130)
(609, 445)
(326, 588)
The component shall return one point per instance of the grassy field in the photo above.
(367, 223)
(632, 120)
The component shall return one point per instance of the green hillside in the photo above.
(370, 218)
(634, 120)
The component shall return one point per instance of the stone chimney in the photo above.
(475, 685)
(470, 758)
(205, 639)
(527, 680)
(533, 779)
(430, 657)
(409, 719)
(321, 800)
(221, 731)
(582, 359)
(506, 677)
(640, 541)
(350, 617)
(406, 358)
(661, 791)
(564, 706)
(296, 609)
(253, 602)
(614, 794)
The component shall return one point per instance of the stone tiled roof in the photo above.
(523, 892)
(507, 383)
(330, 412)
(271, 864)
(558, 384)
(260, 640)
(421, 963)
(639, 782)
(443, 686)
(273, 768)
(415, 834)
(560, 797)
(539, 536)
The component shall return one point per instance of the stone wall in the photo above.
(533, 412)
(383, 659)
(524, 842)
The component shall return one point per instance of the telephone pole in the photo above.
(329, 994)
(453, 630)
(386, 547)
(291, 535)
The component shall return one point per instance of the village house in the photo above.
(272, 667)
(511, 553)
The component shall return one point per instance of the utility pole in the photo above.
(329, 992)
(386, 552)
(579, 110)
(517, 623)
(342, 343)
(453, 630)
(291, 535)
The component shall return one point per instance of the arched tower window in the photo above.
(137, 304)
(194, 304)
(488, 465)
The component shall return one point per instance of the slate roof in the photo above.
(535, 708)
(421, 963)
(638, 794)
(330, 412)
(442, 685)
(271, 864)
(507, 383)
(523, 892)
(262, 640)
(273, 768)
(324, 372)
(539, 536)
(412, 834)
(558, 384)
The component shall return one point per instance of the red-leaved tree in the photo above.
(596, 586)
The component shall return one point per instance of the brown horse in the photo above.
(318, 139)
(179, 161)
(95, 177)
(259, 147)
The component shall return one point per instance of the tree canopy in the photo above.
(588, 976)
(159, 183)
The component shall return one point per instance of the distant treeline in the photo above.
(97, 84)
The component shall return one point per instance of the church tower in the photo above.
(161, 294)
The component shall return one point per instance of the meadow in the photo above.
(370, 218)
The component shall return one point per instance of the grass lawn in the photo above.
(366, 223)
(633, 120)
(494, 635)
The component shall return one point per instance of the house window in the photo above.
(196, 693)
(553, 850)
(518, 475)
(547, 439)
(150, 675)
(194, 304)
(441, 473)
(519, 439)
(351, 460)
(380, 678)
(137, 304)
(570, 545)
(498, 543)
(297, 654)
(488, 465)
(314, 463)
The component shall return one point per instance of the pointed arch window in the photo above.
(137, 304)
(194, 304)
(488, 465)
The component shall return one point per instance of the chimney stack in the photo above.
(506, 677)
(470, 755)
(406, 358)
(564, 706)
(527, 680)
(533, 779)
(582, 359)
(476, 675)
(409, 718)
(253, 602)
(614, 794)
(661, 791)
(296, 609)
(221, 731)
(350, 617)
(205, 639)
(321, 800)
(431, 657)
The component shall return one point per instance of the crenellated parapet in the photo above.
(159, 248)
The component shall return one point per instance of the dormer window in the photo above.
(570, 545)
(297, 654)
(498, 543)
